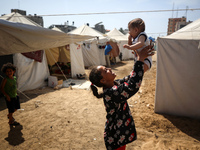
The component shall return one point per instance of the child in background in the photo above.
(119, 128)
(138, 39)
(108, 49)
(9, 90)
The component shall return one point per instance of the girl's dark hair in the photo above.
(95, 77)
(8, 66)
(138, 23)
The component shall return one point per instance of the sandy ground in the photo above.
(74, 119)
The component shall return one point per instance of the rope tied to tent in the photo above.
(57, 64)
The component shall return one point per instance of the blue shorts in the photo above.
(13, 104)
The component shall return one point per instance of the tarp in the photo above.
(92, 54)
(18, 38)
(178, 73)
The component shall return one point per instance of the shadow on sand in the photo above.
(26, 96)
(119, 64)
(15, 136)
(189, 126)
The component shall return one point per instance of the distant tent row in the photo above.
(92, 53)
(23, 37)
(178, 72)
(82, 47)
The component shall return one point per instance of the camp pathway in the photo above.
(73, 119)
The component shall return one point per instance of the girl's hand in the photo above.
(145, 52)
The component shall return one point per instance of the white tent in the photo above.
(178, 72)
(16, 17)
(121, 40)
(92, 54)
(20, 38)
(65, 54)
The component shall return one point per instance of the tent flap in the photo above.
(18, 38)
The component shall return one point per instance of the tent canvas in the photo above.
(20, 37)
(29, 74)
(92, 54)
(178, 73)
(73, 54)
(26, 38)
(16, 17)
(121, 40)
(69, 53)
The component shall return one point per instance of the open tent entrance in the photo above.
(66, 61)
(58, 60)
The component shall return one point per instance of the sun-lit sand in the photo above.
(68, 119)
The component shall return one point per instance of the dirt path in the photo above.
(74, 120)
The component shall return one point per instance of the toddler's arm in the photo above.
(137, 45)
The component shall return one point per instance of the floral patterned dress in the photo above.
(120, 128)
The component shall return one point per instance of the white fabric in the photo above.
(189, 32)
(16, 17)
(102, 56)
(30, 73)
(19, 37)
(78, 84)
(86, 30)
(77, 65)
(92, 55)
(56, 29)
(178, 73)
(126, 54)
(117, 35)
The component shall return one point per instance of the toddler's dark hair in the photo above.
(8, 66)
(95, 77)
(138, 23)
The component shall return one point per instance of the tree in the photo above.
(121, 30)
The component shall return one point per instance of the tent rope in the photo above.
(57, 64)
